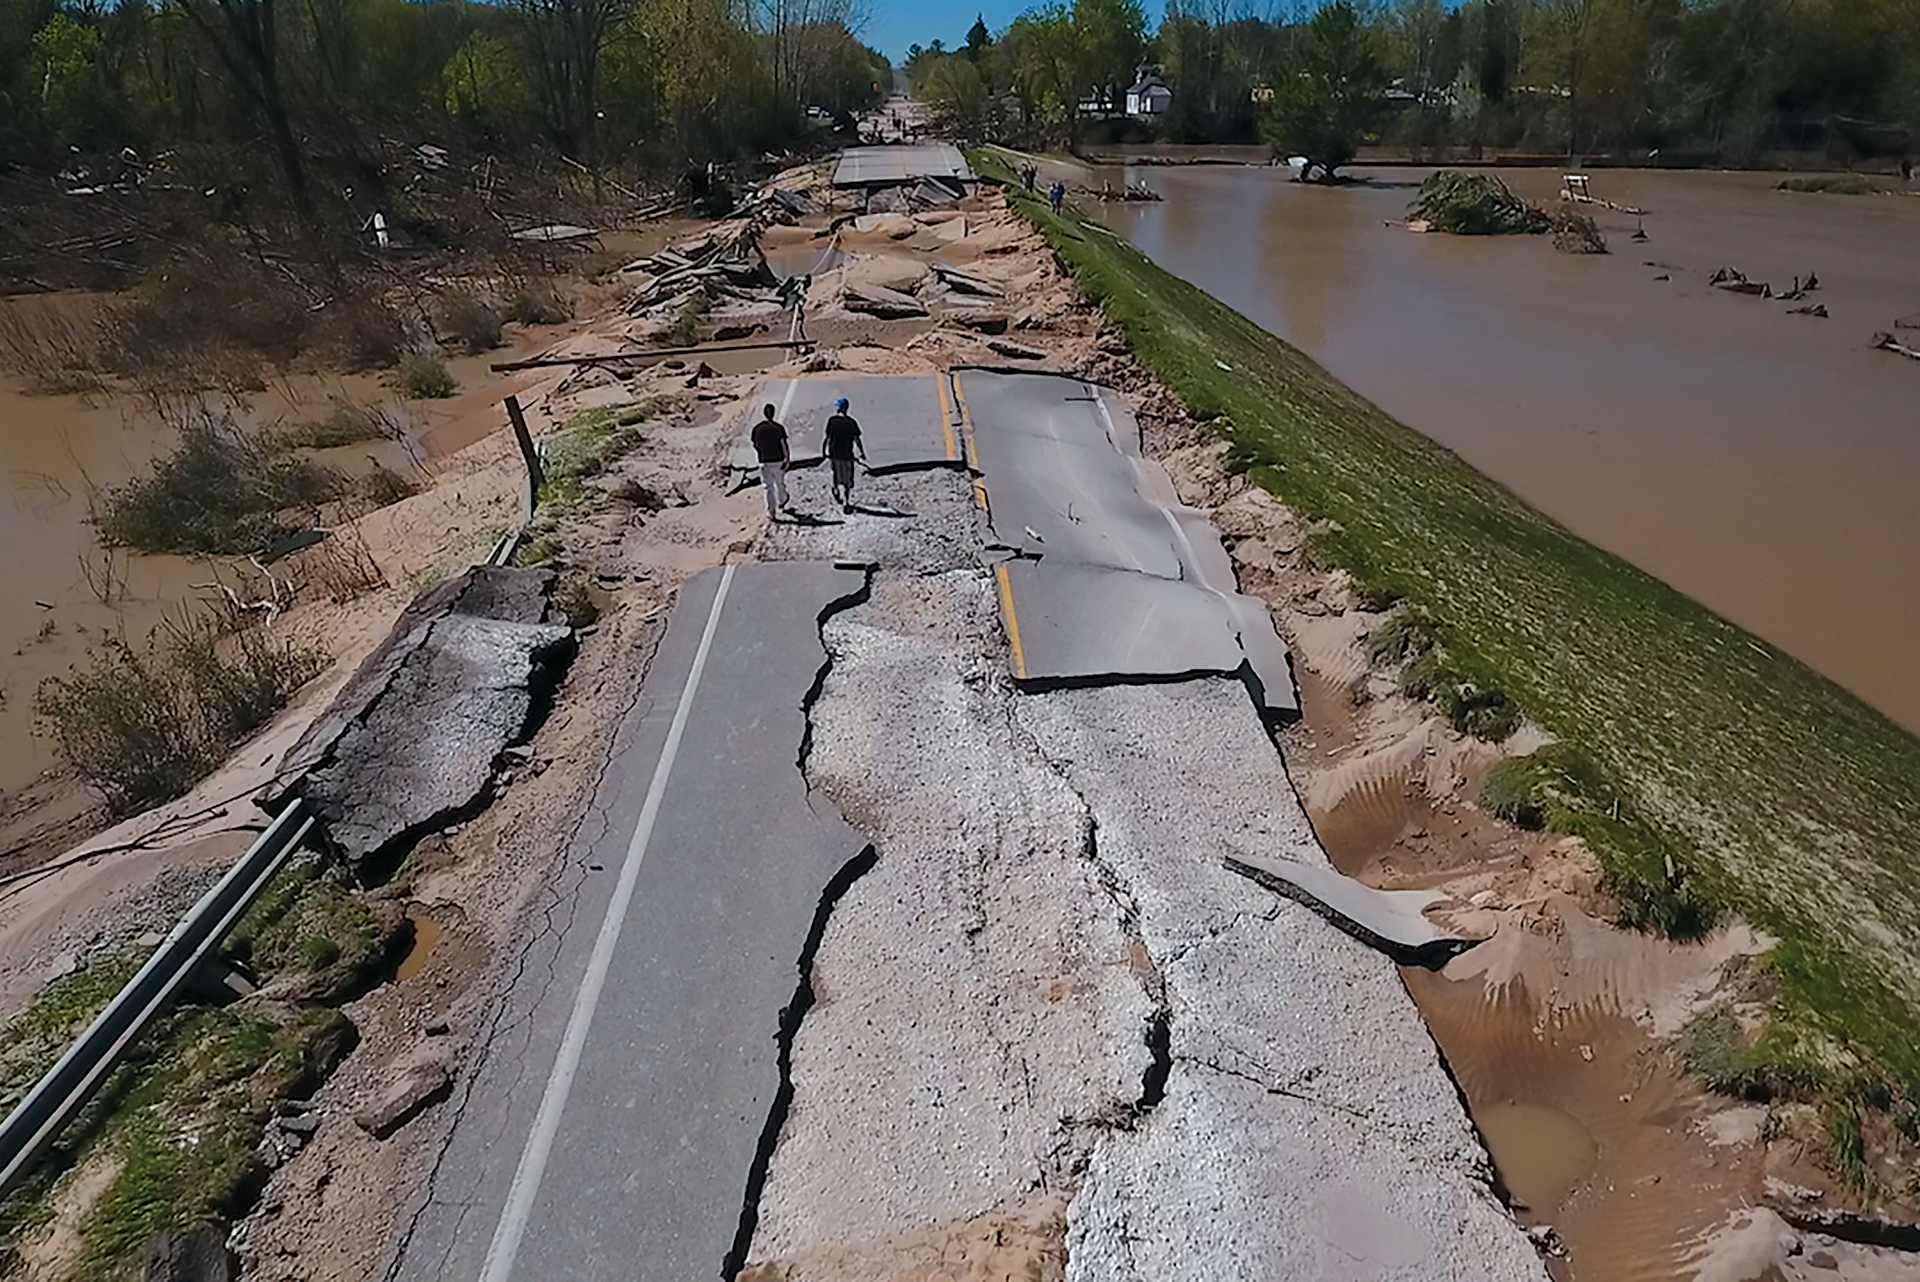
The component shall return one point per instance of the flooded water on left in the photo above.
(62, 593)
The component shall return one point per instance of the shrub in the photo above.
(470, 320)
(575, 600)
(361, 332)
(1832, 185)
(684, 328)
(1575, 232)
(345, 424)
(539, 307)
(583, 449)
(317, 952)
(221, 492)
(424, 376)
(341, 568)
(1561, 789)
(52, 347)
(142, 726)
(1405, 634)
(207, 317)
(381, 486)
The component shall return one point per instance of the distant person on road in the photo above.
(841, 444)
(793, 295)
(1029, 174)
(1058, 196)
(770, 445)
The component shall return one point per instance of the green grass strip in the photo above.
(1800, 803)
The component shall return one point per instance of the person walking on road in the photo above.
(770, 446)
(1058, 196)
(841, 444)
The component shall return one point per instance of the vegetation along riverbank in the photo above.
(1709, 773)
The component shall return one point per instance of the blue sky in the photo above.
(892, 25)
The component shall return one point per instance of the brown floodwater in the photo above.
(62, 594)
(1765, 463)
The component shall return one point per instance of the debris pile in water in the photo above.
(1475, 205)
(1481, 205)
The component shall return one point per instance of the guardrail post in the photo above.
(536, 475)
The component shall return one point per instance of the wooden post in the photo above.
(536, 477)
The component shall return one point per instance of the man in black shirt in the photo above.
(770, 446)
(841, 443)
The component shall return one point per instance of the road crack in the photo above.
(803, 760)
(791, 1017)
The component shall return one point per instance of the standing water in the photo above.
(1765, 463)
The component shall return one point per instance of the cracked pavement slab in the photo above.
(904, 419)
(615, 1121)
(412, 741)
(1309, 1128)
(1112, 576)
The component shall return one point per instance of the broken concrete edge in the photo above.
(549, 654)
(1858, 1228)
(371, 680)
(1274, 717)
(549, 659)
(791, 1017)
(838, 606)
(1430, 954)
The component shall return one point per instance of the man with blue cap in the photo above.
(841, 444)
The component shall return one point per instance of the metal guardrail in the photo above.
(59, 1096)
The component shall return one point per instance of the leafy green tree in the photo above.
(483, 87)
(1109, 40)
(1041, 53)
(1329, 94)
(70, 88)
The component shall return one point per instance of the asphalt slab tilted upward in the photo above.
(1111, 577)
(621, 1111)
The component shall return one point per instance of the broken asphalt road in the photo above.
(619, 1117)
(1112, 577)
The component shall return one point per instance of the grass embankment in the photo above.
(177, 1128)
(1769, 789)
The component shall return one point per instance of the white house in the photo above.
(1149, 96)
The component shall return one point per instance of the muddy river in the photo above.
(1763, 462)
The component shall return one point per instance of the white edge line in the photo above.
(566, 1061)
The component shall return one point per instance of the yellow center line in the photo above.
(966, 421)
(973, 447)
(1013, 622)
(946, 419)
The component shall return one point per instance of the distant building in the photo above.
(1261, 93)
(1149, 96)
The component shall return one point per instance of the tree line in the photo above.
(1728, 79)
(294, 102)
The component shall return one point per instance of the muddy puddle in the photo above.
(61, 594)
(426, 936)
(1557, 1028)
(1760, 461)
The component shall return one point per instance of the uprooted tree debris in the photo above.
(1469, 204)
